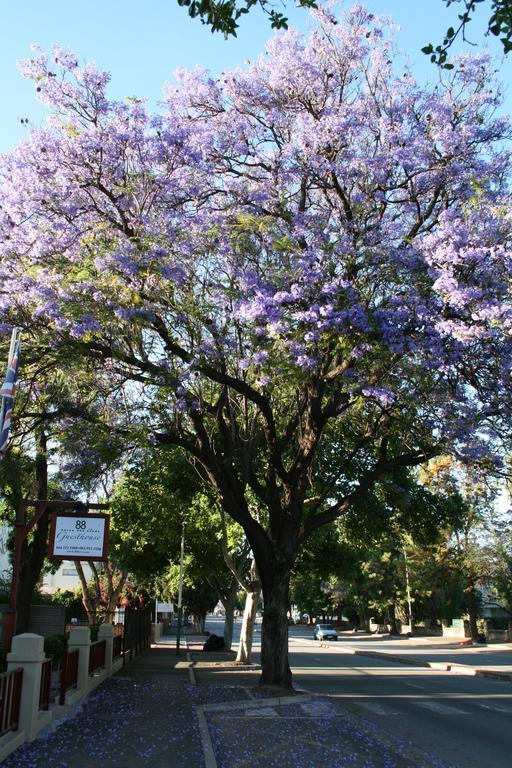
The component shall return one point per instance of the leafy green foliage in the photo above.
(148, 505)
(503, 575)
(54, 646)
(359, 565)
(499, 25)
(312, 588)
(151, 503)
(224, 16)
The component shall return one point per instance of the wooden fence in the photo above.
(10, 700)
(68, 673)
(46, 682)
(97, 656)
(117, 646)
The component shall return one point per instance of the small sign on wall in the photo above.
(78, 537)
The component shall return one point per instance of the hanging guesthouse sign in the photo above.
(78, 537)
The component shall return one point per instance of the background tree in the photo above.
(436, 582)
(360, 565)
(53, 413)
(501, 584)
(23, 476)
(322, 563)
(102, 593)
(476, 491)
(152, 499)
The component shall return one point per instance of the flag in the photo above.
(7, 391)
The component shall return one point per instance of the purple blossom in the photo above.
(271, 223)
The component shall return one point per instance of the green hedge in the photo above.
(54, 646)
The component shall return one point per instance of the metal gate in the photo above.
(137, 631)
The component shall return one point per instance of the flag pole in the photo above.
(14, 336)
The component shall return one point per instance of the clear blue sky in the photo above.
(141, 44)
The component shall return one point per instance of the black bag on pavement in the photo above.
(214, 643)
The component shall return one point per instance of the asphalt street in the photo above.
(463, 720)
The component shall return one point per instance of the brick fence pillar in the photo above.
(106, 633)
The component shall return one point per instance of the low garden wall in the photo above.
(34, 712)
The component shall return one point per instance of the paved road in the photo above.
(497, 657)
(464, 720)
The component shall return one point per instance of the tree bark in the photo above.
(472, 612)
(252, 597)
(393, 625)
(113, 592)
(33, 553)
(88, 600)
(274, 637)
(229, 601)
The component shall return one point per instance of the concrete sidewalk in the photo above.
(172, 711)
(142, 716)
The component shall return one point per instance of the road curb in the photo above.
(392, 657)
(494, 674)
(191, 674)
(206, 741)
(461, 669)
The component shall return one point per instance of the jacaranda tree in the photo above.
(311, 249)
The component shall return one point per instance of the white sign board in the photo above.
(164, 607)
(79, 538)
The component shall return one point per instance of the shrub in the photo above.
(54, 646)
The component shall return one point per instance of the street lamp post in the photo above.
(180, 589)
(408, 587)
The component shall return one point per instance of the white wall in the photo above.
(65, 578)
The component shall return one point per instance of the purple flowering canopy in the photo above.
(311, 250)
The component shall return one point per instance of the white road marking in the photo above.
(318, 709)
(261, 712)
(415, 685)
(495, 708)
(375, 708)
(441, 709)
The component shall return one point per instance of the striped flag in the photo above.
(8, 390)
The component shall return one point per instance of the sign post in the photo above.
(23, 529)
(78, 537)
(180, 590)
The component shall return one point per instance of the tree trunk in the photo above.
(472, 613)
(229, 601)
(393, 626)
(199, 620)
(88, 600)
(246, 633)
(113, 592)
(229, 620)
(34, 553)
(274, 637)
